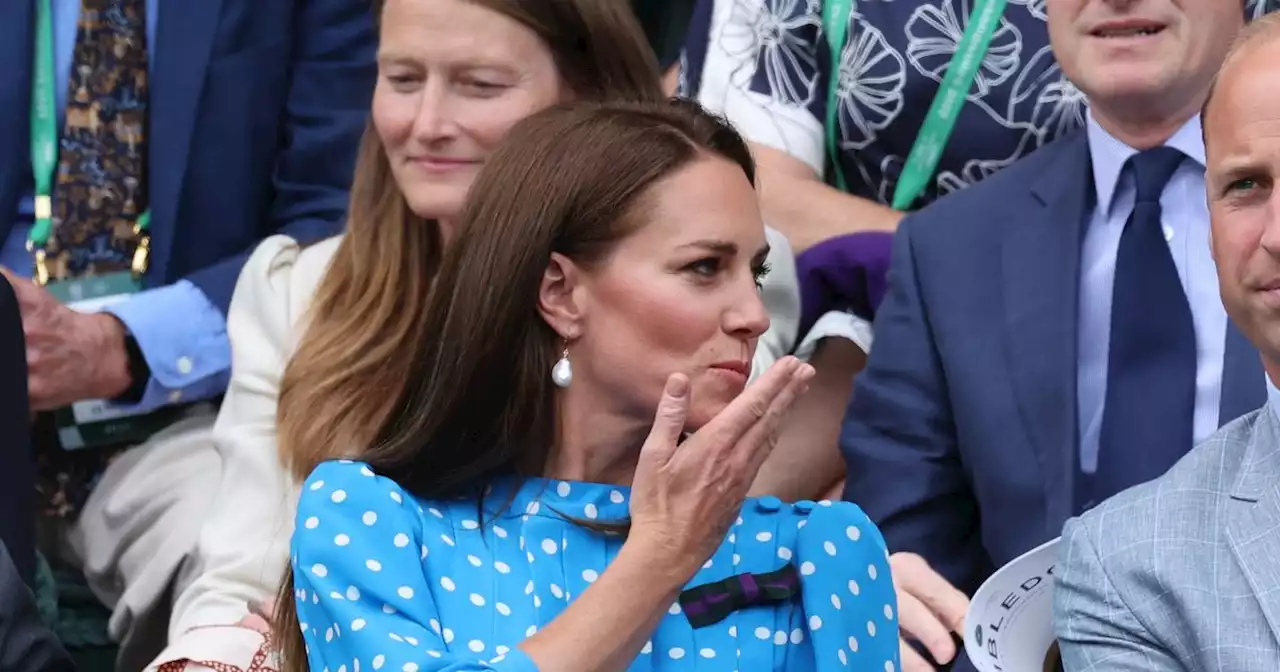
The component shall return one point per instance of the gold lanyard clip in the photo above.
(141, 255)
(42, 268)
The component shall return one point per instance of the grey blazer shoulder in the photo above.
(1182, 573)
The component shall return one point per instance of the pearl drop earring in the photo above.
(562, 372)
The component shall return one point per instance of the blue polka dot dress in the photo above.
(384, 581)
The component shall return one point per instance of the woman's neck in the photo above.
(594, 445)
(446, 229)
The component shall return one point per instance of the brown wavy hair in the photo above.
(368, 309)
(478, 401)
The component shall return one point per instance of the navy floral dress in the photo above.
(765, 64)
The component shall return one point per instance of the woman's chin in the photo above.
(436, 202)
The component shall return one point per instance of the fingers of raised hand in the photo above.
(753, 404)
(759, 441)
(668, 422)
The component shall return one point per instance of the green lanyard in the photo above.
(44, 127)
(44, 149)
(947, 103)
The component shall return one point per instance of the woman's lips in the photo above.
(436, 164)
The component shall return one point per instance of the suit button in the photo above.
(803, 506)
(769, 504)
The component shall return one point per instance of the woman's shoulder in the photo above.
(350, 487)
(280, 277)
(846, 586)
(312, 263)
(827, 533)
(353, 488)
(842, 525)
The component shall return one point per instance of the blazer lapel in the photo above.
(1244, 386)
(1253, 517)
(184, 41)
(17, 45)
(1041, 266)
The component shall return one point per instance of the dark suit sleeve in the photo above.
(17, 463)
(899, 436)
(330, 90)
(26, 645)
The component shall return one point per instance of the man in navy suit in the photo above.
(224, 121)
(1053, 334)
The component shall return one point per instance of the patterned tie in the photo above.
(101, 182)
(100, 191)
(1151, 368)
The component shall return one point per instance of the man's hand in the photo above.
(71, 356)
(929, 610)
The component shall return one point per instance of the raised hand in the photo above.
(686, 494)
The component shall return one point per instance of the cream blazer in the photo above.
(243, 546)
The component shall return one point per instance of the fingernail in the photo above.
(806, 371)
(677, 386)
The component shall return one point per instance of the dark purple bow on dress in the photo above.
(712, 602)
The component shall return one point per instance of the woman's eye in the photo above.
(706, 267)
(483, 87)
(760, 273)
(402, 80)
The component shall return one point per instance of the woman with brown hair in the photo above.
(523, 503)
(453, 77)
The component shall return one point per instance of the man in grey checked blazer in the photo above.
(1183, 573)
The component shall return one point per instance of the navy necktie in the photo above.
(1147, 420)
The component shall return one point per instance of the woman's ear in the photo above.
(559, 297)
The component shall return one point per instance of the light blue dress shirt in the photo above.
(1185, 217)
(182, 335)
(1273, 397)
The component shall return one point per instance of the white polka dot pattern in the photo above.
(369, 592)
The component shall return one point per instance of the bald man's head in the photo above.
(1260, 32)
(1242, 185)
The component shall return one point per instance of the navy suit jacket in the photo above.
(256, 110)
(961, 438)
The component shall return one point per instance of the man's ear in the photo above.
(560, 297)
